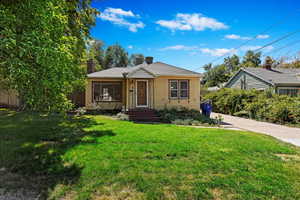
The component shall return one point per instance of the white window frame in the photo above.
(179, 88)
(170, 90)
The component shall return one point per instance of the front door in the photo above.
(142, 93)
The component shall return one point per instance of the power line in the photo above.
(293, 52)
(283, 47)
(277, 40)
(246, 42)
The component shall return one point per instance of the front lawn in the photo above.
(95, 157)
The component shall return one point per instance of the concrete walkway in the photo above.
(284, 133)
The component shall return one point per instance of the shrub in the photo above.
(230, 101)
(80, 111)
(184, 116)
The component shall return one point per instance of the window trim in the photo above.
(179, 88)
(170, 90)
(102, 101)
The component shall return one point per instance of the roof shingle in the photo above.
(156, 69)
(276, 75)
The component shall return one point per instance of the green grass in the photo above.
(95, 157)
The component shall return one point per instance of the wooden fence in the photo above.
(9, 98)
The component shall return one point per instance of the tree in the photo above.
(115, 56)
(251, 59)
(136, 59)
(232, 63)
(41, 49)
(207, 67)
(216, 75)
(95, 53)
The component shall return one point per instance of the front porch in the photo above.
(120, 94)
(140, 94)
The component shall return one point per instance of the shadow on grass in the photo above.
(32, 145)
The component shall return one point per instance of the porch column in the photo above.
(127, 93)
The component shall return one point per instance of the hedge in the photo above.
(259, 105)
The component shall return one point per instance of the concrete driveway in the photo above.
(284, 133)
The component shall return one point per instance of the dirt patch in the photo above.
(289, 157)
(169, 194)
(124, 194)
(17, 187)
(20, 194)
(216, 193)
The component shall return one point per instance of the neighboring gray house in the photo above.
(282, 80)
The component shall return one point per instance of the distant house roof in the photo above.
(274, 76)
(144, 71)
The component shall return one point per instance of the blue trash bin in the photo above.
(208, 109)
(203, 108)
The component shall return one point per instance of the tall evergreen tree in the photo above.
(136, 59)
(251, 59)
(95, 53)
(115, 56)
(232, 63)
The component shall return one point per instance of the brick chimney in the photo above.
(149, 60)
(90, 66)
(268, 63)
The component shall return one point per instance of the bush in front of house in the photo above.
(184, 116)
(230, 101)
(259, 105)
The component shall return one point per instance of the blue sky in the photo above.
(191, 33)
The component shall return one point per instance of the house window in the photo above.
(174, 89)
(179, 89)
(288, 91)
(107, 91)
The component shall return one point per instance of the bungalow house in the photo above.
(149, 85)
(283, 80)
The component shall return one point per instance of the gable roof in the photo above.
(144, 71)
(274, 76)
(277, 75)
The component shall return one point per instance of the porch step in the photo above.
(143, 115)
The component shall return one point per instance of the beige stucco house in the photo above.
(148, 85)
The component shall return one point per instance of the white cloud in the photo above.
(119, 11)
(195, 21)
(262, 36)
(120, 17)
(179, 47)
(253, 48)
(218, 51)
(130, 47)
(236, 37)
